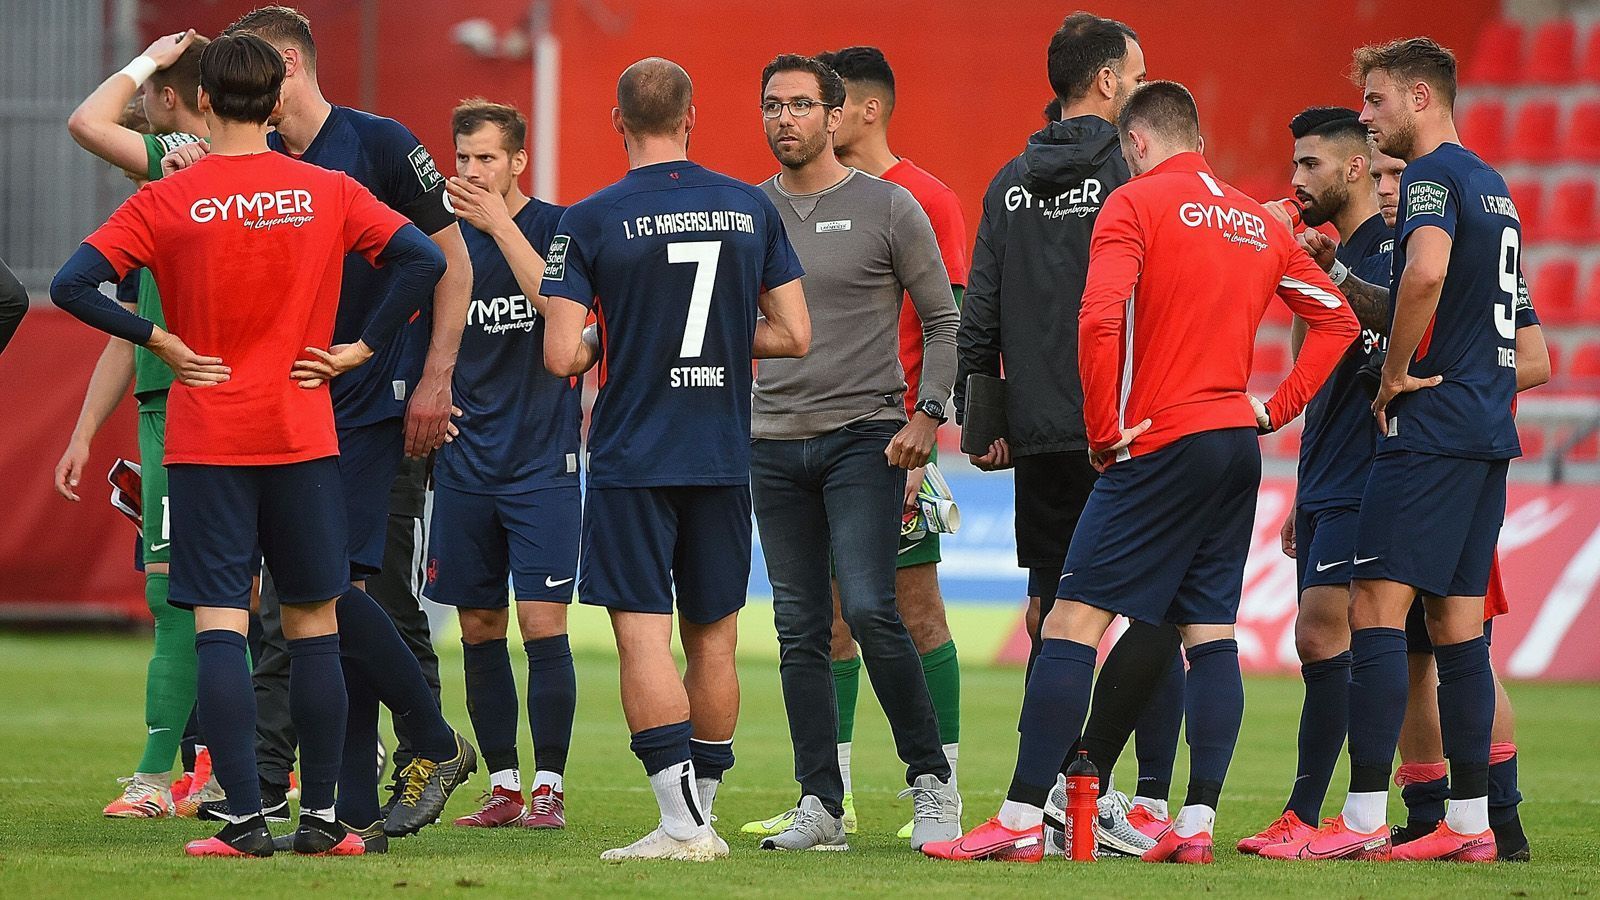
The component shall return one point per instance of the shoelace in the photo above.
(925, 802)
(135, 790)
(416, 774)
(805, 819)
(543, 804)
(1281, 827)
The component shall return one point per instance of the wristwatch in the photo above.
(933, 409)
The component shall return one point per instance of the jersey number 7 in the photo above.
(704, 255)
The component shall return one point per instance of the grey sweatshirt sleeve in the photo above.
(920, 268)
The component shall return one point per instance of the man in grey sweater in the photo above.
(832, 445)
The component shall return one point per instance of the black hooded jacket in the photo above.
(1028, 272)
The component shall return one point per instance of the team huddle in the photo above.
(320, 328)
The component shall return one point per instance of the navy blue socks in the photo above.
(1052, 714)
(1466, 714)
(1378, 685)
(391, 671)
(318, 707)
(492, 702)
(1324, 721)
(226, 701)
(552, 700)
(1214, 696)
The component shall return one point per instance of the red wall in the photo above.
(971, 75)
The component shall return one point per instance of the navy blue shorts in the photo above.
(369, 460)
(1165, 535)
(641, 543)
(1325, 542)
(480, 540)
(293, 513)
(1431, 522)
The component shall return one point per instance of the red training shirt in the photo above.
(950, 228)
(248, 253)
(1181, 269)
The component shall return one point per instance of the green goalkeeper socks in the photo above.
(170, 680)
(846, 687)
(943, 674)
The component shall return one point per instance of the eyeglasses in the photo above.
(771, 109)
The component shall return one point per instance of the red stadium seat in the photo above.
(1589, 66)
(1570, 214)
(1497, 58)
(1534, 135)
(1483, 129)
(1582, 143)
(1528, 195)
(1554, 289)
(1551, 57)
(1589, 302)
(1584, 373)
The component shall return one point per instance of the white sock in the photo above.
(234, 820)
(506, 779)
(1193, 820)
(844, 765)
(675, 789)
(1366, 812)
(707, 789)
(952, 753)
(326, 815)
(1020, 816)
(161, 780)
(1159, 807)
(543, 777)
(1468, 816)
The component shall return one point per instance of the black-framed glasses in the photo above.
(799, 108)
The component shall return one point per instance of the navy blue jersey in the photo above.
(388, 160)
(671, 259)
(519, 424)
(1340, 435)
(1472, 339)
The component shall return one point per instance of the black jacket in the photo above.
(1028, 271)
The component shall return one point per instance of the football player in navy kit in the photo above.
(690, 276)
(1446, 435)
(506, 502)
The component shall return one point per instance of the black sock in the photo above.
(319, 707)
(191, 739)
(1155, 737)
(492, 702)
(552, 701)
(1466, 714)
(1324, 721)
(1134, 670)
(358, 774)
(392, 672)
(1378, 684)
(227, 705)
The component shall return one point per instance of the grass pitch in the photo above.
(73, 711)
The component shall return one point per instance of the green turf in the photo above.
(72, 721)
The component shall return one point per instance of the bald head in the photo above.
(653, 96)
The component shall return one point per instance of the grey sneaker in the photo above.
(813, 828)
(1055, 810)
(1112, 831)
(935, 811)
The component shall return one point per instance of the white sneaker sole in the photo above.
(704, 849)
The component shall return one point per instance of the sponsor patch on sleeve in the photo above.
(427, 173)
(1426, 198)
(555, 264)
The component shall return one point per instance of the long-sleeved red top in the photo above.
(1181, 269)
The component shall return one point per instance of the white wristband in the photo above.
(140, 70)
(1338, 273)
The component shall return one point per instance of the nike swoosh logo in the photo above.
(904, 550)
(1064, 578)
(1308, 853)
(999, 845)
(155, 547)
(159, 730)
(1323, 567)
(1359, 561)
(549, 583)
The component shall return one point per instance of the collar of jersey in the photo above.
(1188, 161)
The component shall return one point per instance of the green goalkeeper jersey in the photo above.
(151, 377)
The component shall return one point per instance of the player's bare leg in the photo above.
(655, 704)
(712, 683)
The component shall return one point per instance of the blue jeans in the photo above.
(836, 498)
